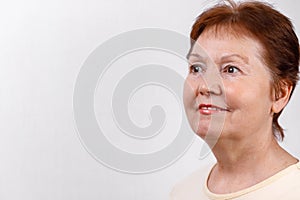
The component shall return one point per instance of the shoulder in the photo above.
(285, 186)
(291, 180)
(291, 175)
(191, 187)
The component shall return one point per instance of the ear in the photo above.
(282, 96)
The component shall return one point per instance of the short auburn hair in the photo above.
(272, 29)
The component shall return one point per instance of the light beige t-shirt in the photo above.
(285, 185)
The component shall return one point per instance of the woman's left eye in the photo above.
(231, 69)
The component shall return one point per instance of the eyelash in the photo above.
(227, 67)
(201, 69)
(199, 66)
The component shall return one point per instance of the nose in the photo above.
(205, 90)
(209, 85)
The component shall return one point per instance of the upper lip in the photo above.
(210, 106)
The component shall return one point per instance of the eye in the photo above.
(231, 69)
(197, 68)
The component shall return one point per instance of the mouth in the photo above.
(208, 109)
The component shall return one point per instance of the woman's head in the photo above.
(272, 30)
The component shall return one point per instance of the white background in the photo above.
(42, 47)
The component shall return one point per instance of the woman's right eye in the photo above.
(196, 68)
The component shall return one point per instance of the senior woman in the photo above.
(243, 70)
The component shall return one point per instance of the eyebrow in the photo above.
(195, 55)
(245, 59)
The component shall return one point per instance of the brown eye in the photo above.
(231, 69)
(196, 68)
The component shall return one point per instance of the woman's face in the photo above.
(227, 92)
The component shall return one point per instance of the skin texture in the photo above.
(227, 72)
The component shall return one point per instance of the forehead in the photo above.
(215, 41)
(228, 31)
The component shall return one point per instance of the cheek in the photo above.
(188, 92)
(249, 96)
(189, 99)
(239, 94)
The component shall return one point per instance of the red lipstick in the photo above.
(208, 109)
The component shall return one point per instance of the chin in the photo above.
(209, 133)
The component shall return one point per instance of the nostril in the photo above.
(207, 91)
(203, 90)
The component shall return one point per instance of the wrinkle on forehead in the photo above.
(230, 32)
(226, 31)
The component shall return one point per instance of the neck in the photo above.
(235, 155)
(244, 162)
